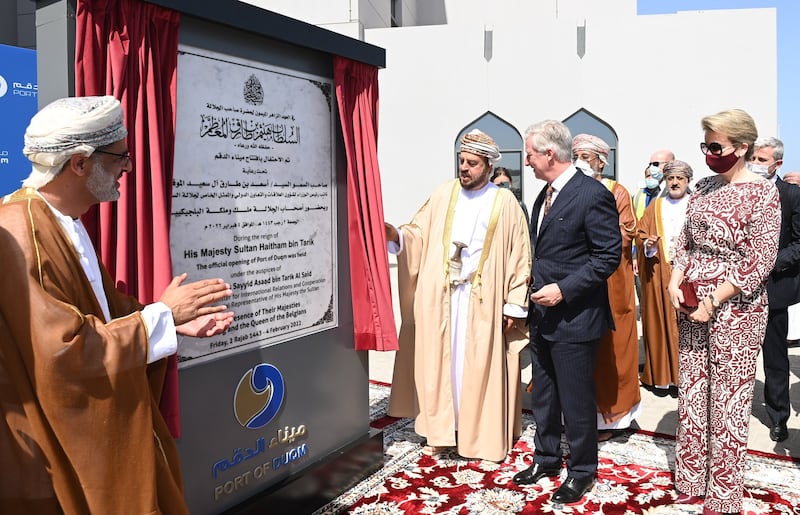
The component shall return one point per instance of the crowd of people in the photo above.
(716, 269)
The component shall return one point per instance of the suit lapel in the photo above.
(564, 198)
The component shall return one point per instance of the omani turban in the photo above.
(677, 167)
(479, 143)
(67, 127)
(591, 143)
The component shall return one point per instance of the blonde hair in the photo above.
(736, 124)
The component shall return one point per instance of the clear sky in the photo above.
(788, 16)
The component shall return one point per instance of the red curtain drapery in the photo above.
(129, 49)
(357, 96)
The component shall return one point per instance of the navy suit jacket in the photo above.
(783, 284)
(578, 246)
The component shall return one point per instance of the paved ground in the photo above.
(660, 412)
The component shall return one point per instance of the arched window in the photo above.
(509, 141)
(584, 122)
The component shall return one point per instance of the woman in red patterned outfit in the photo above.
(726, 251)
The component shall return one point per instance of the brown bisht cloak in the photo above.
(80, 429)
(617, 369)
(659, 318)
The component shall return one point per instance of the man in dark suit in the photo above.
(783, 287)
(576, 246)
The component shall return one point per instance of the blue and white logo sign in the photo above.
(19, 93)
(259, 396)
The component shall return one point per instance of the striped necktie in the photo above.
(548, 199)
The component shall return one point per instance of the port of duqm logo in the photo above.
(259, 396)
(3, 86)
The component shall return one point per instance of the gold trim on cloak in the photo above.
(487, 242)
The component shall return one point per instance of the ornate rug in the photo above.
(634, 476)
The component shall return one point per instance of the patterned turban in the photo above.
(678, 167)
(479, 143)
(67, 127)
(591, 144)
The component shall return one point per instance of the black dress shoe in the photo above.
(778, 433)
(533, 474)
(572, 490)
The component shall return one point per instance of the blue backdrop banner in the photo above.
(18, 103)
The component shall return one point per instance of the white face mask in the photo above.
(762, 170)
(650, 183)
(655, 173)
(583, 166)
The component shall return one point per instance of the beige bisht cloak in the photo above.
(491, 397)
(80, 429)
(659, 318)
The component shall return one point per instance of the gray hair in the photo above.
(551, 135)
(769, 142)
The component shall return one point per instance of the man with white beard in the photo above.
(657, 233)
(81, 364)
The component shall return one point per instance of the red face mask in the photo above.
(721, 164)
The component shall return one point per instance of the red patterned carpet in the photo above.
(635, 476)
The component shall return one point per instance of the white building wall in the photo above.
(315, 12)
(368, 14)
(375, 13)
(651, 78)
(411, 13)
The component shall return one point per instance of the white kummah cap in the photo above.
(480, 143)
(67, 127)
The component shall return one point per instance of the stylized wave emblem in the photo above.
(3, 86)
(259, 396)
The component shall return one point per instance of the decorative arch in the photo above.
(507, 138)
(584, 121)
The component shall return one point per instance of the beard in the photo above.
(677, 193)
(102, 184)
(474, 183)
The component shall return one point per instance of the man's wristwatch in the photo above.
(714, 301)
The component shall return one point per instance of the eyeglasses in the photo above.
(714, 148)
(124, 159)
(655, 163)
(585, 156)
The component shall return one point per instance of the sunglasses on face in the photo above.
(713, 148)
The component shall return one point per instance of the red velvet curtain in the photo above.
(129, 49)
(357, 95)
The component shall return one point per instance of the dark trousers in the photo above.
(563, 382)
(776, 366)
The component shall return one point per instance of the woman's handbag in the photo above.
(690, 300)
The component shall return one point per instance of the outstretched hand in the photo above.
(192, 300)
(391, 233)
(207, 325)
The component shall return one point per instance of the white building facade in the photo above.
(642, 83)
